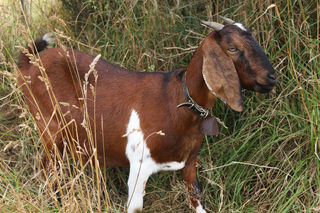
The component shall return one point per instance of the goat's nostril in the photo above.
(272, 76)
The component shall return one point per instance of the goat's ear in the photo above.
(220, 75)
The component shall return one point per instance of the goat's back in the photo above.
(109, 101)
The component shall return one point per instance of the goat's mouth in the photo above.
(264, 88)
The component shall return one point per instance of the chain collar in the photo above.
(190, 103)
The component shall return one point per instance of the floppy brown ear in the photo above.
(220, 75)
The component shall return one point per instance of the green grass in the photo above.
(266, 161)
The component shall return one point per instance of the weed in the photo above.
(266, 160)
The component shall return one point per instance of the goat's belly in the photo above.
(111, 161)
(112, 153)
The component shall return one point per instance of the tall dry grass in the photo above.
(265, 160)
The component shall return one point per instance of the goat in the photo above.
(128, 107)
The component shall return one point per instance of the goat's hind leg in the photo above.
(53, 149)
(49, 163)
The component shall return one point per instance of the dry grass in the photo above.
(267, 159)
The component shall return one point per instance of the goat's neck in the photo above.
(195, 83)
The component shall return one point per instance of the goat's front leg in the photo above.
(189, 174)
(138, 178)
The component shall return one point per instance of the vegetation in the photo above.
(267, 157)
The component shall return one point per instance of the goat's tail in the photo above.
(37, 46)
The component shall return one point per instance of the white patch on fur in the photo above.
(199, 208)
(141, 163)
(240, 26)
(48, 37)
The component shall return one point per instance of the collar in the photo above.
(190, 103)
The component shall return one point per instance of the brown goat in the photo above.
(126, 108)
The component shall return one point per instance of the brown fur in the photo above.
(154, 96)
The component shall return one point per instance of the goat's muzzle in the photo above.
(268, 84)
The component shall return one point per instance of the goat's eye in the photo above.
(233, 50)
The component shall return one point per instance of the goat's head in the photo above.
(233, 49)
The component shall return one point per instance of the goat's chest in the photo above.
(167, 149)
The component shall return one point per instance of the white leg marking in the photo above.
(135, 153)
(141, 163)
(137, 182)
(199, 208)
